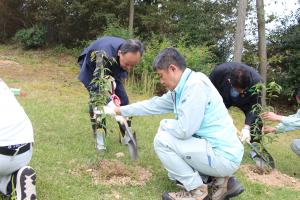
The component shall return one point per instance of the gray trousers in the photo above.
(10, 164)
(189, 161)
(296, 146)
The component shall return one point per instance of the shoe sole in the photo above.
(166, 196)
(233, 193)
(29, 172)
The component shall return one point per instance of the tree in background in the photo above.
(240, 31)
(262, 50)
(284, 54)
(69, 22)
(14, 15)
(131, 17)
(208, 23)
(282, 50)
(202, 28)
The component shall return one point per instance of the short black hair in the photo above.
(240, 78)
(167, 57)
(133, 46)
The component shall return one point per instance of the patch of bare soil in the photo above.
(11, 69)
(114, 172)
(274, 178)
(16, 71)
(9, 63)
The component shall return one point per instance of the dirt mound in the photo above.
(274, 178)
(114, 172)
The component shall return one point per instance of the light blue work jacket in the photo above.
(199, 112)
(289, 123)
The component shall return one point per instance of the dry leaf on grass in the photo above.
(119, 154)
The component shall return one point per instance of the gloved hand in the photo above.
(120, 119)
(109, 109)
(114, 84)
(245, 134)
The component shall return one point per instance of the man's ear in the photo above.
(173, 67)
(119, 52)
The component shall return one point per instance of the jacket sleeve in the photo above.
(219, 78)
(250, 116)
(190, 113)
(247, 108)
(252, 99)
(289, 123)
(216, 77)
(153, 106)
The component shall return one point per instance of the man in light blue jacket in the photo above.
(287, 123)
(201, 140)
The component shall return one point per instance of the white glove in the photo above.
(114, 85)
(245, 134)
(120, 119)
(109, 109)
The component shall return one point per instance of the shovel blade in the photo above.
(263, 158)
(132, 148)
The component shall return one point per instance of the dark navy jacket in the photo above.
(219, 77)
(110, 45)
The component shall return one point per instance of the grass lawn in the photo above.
(64, 152)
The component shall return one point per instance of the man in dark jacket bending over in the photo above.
(234, 82)
(122, 55)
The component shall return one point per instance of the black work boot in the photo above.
(223, 188)
(234, 188)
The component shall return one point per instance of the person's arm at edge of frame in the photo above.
(286, 123)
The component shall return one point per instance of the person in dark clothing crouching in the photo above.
(235, 82)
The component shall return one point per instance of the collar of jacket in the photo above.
(179, 88)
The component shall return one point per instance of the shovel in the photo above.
(262, 158)
(129, 138)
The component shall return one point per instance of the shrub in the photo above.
(32, 37)
(284, 59)
(143, 77)
(199, 59)
(114, 29)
